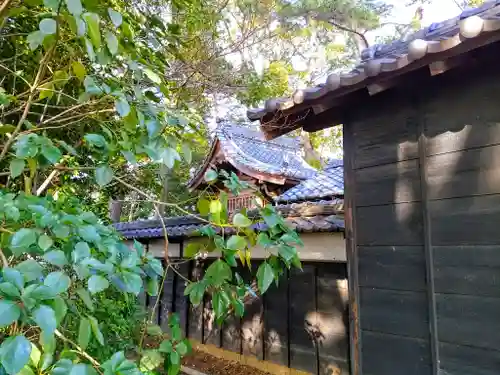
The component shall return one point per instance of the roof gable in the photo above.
(248, 151)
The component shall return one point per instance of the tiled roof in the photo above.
(247, 148)
(323, 216)
(380, 61)
(327, 183)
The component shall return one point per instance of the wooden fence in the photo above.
(301, 324)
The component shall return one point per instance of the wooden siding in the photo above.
(302, 323)
(425, 180)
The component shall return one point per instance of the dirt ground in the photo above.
(211, 365)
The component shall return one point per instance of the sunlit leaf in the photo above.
(152, 76)
(15, 354)
(122, 107)
(115, 17)
(84, 333)
(79, 70)
(58, 282)
(92, 21)
(112, 43)
(16, 167)
(97, 284)
(56, 257)
(74, 7)
(48, 26)
(95, 329)
(210, 175)
(240, 220)
(9, 312)
(265, 276)
(45, 317)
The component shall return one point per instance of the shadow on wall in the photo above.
(460, 118)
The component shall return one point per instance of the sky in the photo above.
(436, 11)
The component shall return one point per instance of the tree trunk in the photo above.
(115, 210)
(310, 154)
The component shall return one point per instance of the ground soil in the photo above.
(211, 365)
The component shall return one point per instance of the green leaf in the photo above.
(264, 240)
(51, 153)
(82, 369)
(35, 355)
(154, 330)
(15, 354)
(169, 156)
(130, 157)
(154, 128)
(122, 107)
(236, 243)
(152, 76)
(92, 21)
(192, 249)
(152, 287)
(95, 329)
(60, 308)
(79, 70)
(81, 251)
(52, 4)
(14, 277)
(150, 360)
(9, 290)
(175, 358)
(186, 151)
(48, 26)
(6, 128)
(45, 317)
(81, 26)
(30, 269)
(115, 17)
(90, 51)
(287, 252)
(35, 39)
(58, 282)
(69, 149)
(240, 220)
(22, 240)
(56, 257)
(210, 175)
(48, 343)
(84, 333)
(46, 361)
(45, 242)
(104, 175)
(16, 167)
(215, 206)
(89, 233)
(86, 298)
(112, 43)
(165, 346)
(9, 312)
(265, 276)
(61, 231)
(95, 140)
(181, 348)
(203, 206)
(195, 292)
(97, 284)
(74, 7)
(219, 272)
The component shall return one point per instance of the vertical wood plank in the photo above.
(252, 324)
(275, 326)
(428, 249)
(166, 299)
(304, 330)
(195, 324)
(351, 250)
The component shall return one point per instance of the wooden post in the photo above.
(352, 252)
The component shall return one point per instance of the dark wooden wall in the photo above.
(423, 226)
(301, 324)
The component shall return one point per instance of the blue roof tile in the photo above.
(326, 183)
